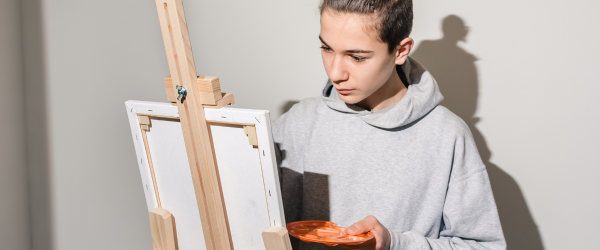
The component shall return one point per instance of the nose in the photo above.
(338, 72)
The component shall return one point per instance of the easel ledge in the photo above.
(164, 236)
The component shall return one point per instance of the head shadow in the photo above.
(456, 73)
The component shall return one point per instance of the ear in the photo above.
(403, 50)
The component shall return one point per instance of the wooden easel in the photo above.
(191, 94)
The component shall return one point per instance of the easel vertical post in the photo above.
(203, 168)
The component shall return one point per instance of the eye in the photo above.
(357, 59)
(326, 49)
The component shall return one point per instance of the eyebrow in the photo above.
(348, 51)
(323, 42)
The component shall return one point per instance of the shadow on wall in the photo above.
(455, 71)
(302, 186)
(37, 126)
(287, 106)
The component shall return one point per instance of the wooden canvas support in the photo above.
(226, 99)
(200, 154)
(145, 127)
(209, 88)
(162, 227)
(144, 122)
(250, 131)
(210, 92)
(276, 238)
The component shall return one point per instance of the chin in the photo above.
(350, 99)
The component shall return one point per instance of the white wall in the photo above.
(526, 92)
(14, 203)
(265, 52)
(537, 74)
(84, 60)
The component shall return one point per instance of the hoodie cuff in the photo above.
(408, 240)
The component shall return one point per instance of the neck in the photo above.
(392, 91)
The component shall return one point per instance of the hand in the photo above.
(382, 240)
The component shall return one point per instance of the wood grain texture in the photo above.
(276, 238)
(250, 131)
(144, 119)
(209, 122)
(201, 158)
(162, 227)
(209, 87)
(171, 93)
(145, 122)
(227, 99)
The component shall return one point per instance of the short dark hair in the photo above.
(393, 18)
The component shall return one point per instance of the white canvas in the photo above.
(242, 186)
(249, 175)
(174, 182)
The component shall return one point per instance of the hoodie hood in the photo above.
(422, 96)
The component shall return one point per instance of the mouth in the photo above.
(344, 91)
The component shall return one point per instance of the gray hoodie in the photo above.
(413, 165)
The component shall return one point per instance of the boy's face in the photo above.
(356, 61)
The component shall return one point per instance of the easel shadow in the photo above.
(456, 73)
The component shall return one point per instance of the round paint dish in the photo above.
(325, 232)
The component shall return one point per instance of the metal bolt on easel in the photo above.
(182, 93)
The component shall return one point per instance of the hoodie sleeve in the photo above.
(469, 217)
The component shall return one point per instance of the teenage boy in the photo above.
(376, 152)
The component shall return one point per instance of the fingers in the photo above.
(368, 245)
(382, 238)
(365, 225)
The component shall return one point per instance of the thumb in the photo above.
(360, 227)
